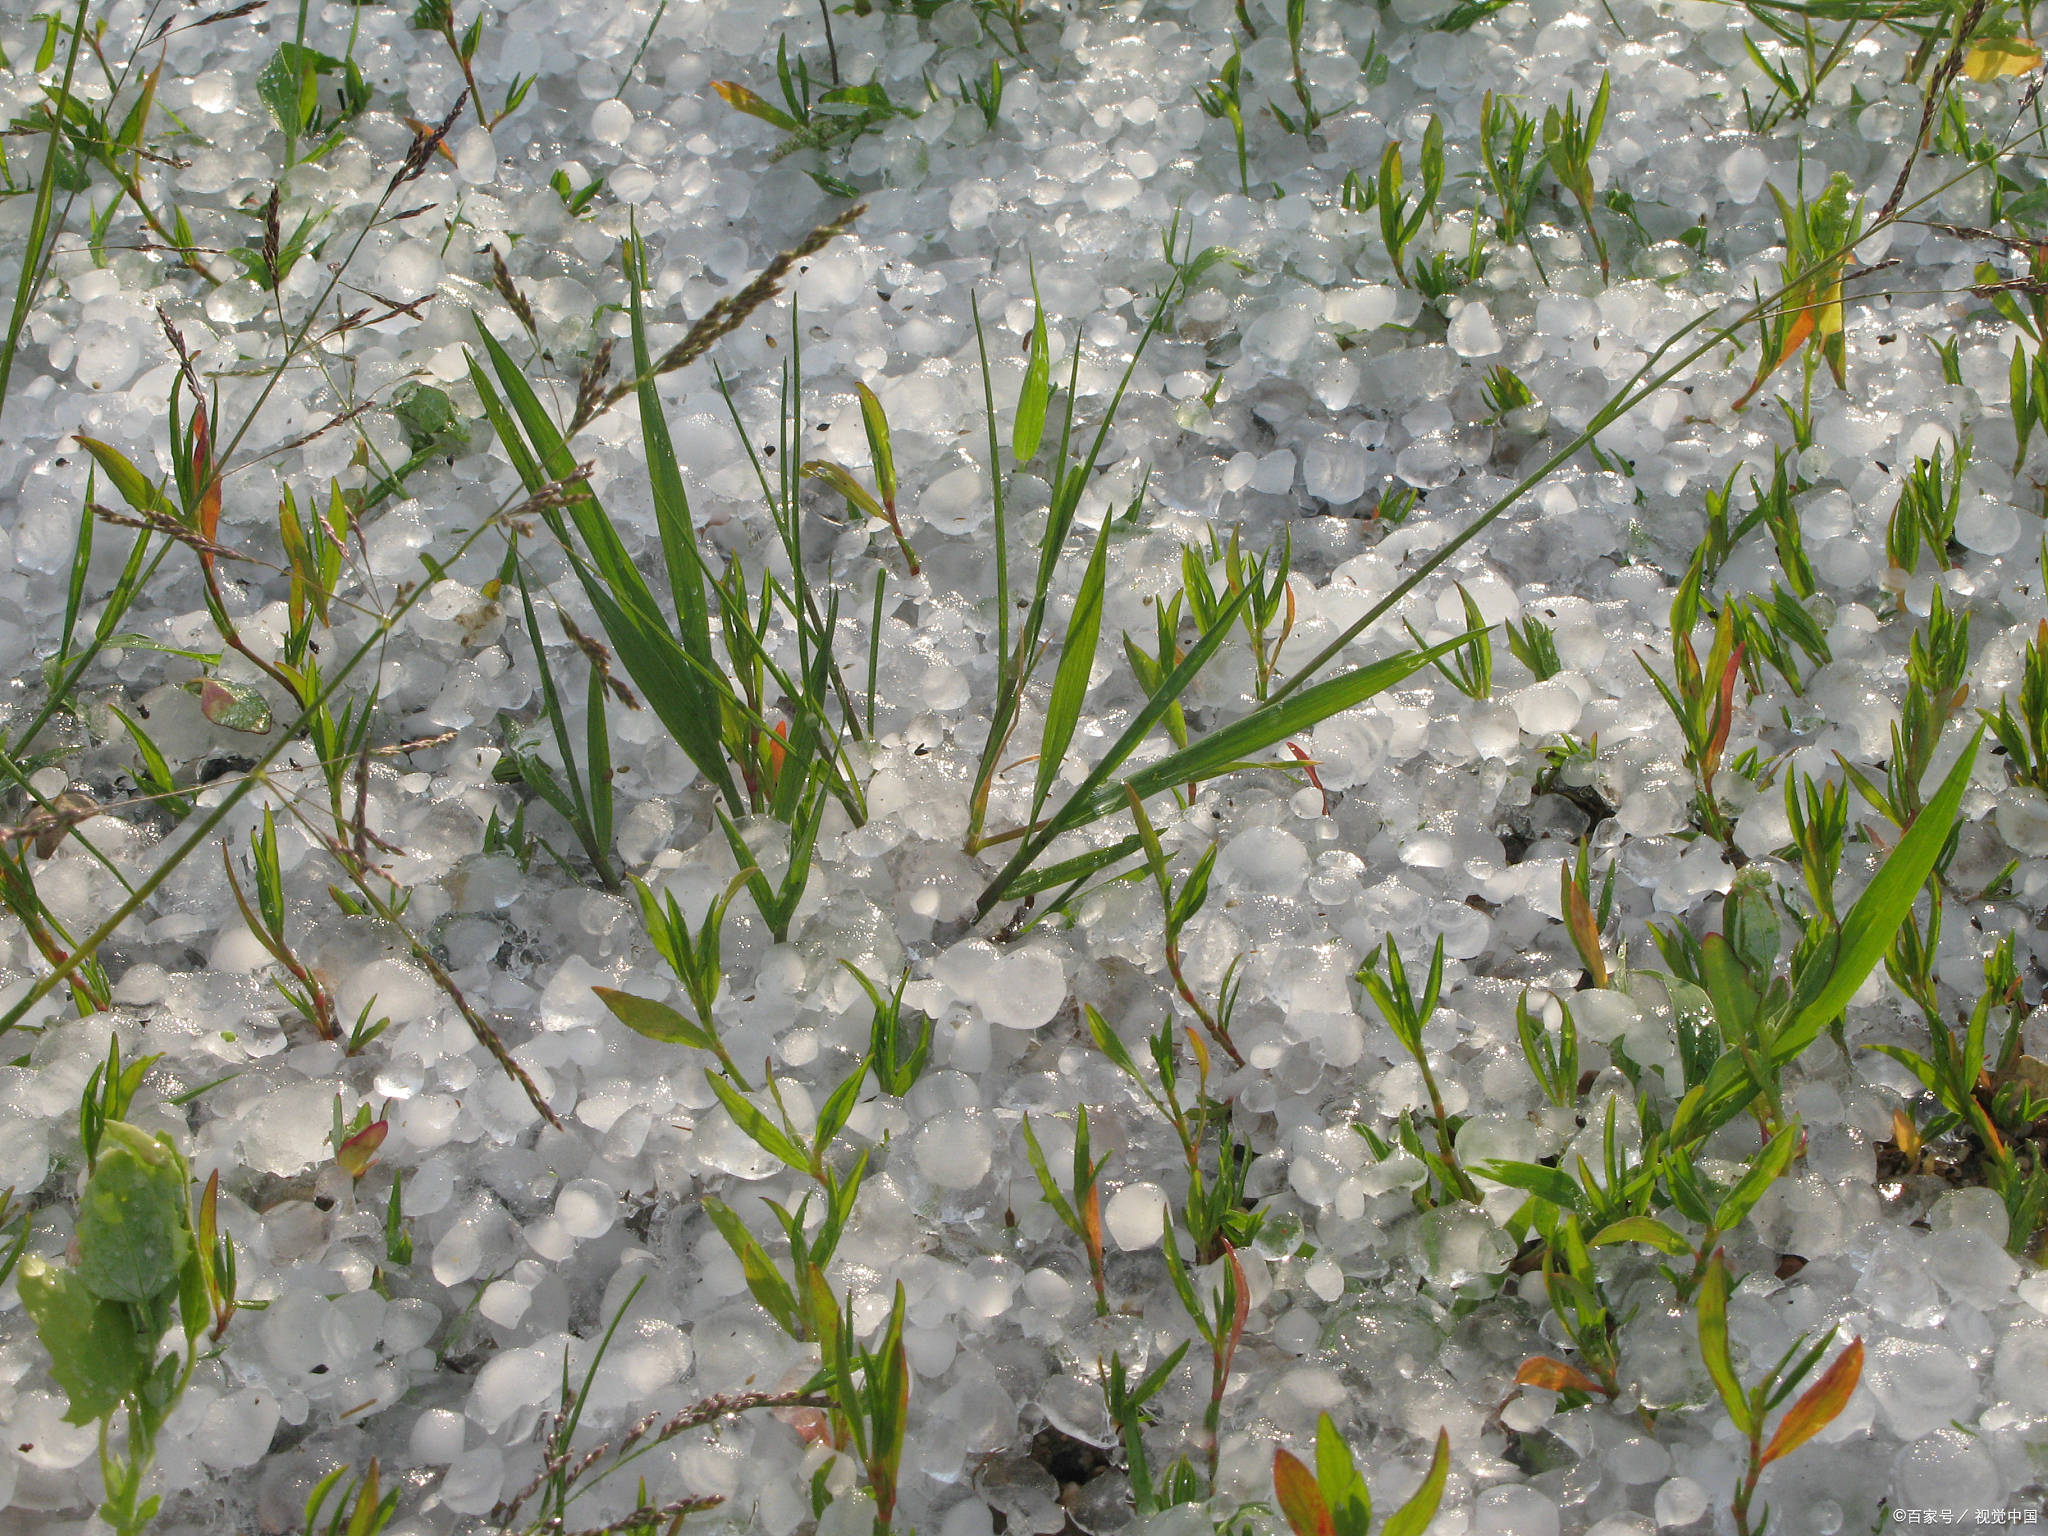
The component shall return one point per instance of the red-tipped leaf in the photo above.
(1819, 1405)
(1301, 1501)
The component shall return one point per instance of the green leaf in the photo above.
(136, 488)
(1772, 1161)
(766, 1134)
(133, 1221)
(1641, 1229)
(880, 453)
(676, 677)
(1342, 1485)
(1413, 1518)
(1070, 681)
(428, 418)
(95, 1355)
(1713, 1324)
(763, 1279)
(1869, 926)
(282, 84)
(1552, 1184)
(1047, 1185)
(1219, 751)
(841, 480)
(1037, 390)
(1728, 984)
(1108, 1041)
(839, 1106)
(657, 1021)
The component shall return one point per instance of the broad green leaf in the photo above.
(95, 1353)
(1818, 1405)
(1713, 1326)
(1772, 1161)
(1869, 926)
(133, 1221)
(1413, 1518)
(428, 418)
(657, 1021)
(1300, 1500)
(1070, 680)
(1728, 983)
(285, 82)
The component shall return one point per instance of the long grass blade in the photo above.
(1070, 679)
(1869, 926)
(35, 254)
(1029, 427)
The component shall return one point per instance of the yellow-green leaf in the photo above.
(740, 99)
(1713, 1322)
(842, 481)
(657, 1021)
(876, 421)
(1996, 56)
(1413, 1518)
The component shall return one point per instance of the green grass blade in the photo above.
(1168, 692)
(1869, 926)
(36, 251)
(598, 754)
(1070, 680)
(1413, 1518)
(1262, 728)
(995, 482)
(879, 449)
(550, 697)
(671, 503)
(671, 679)
(1037, 391)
